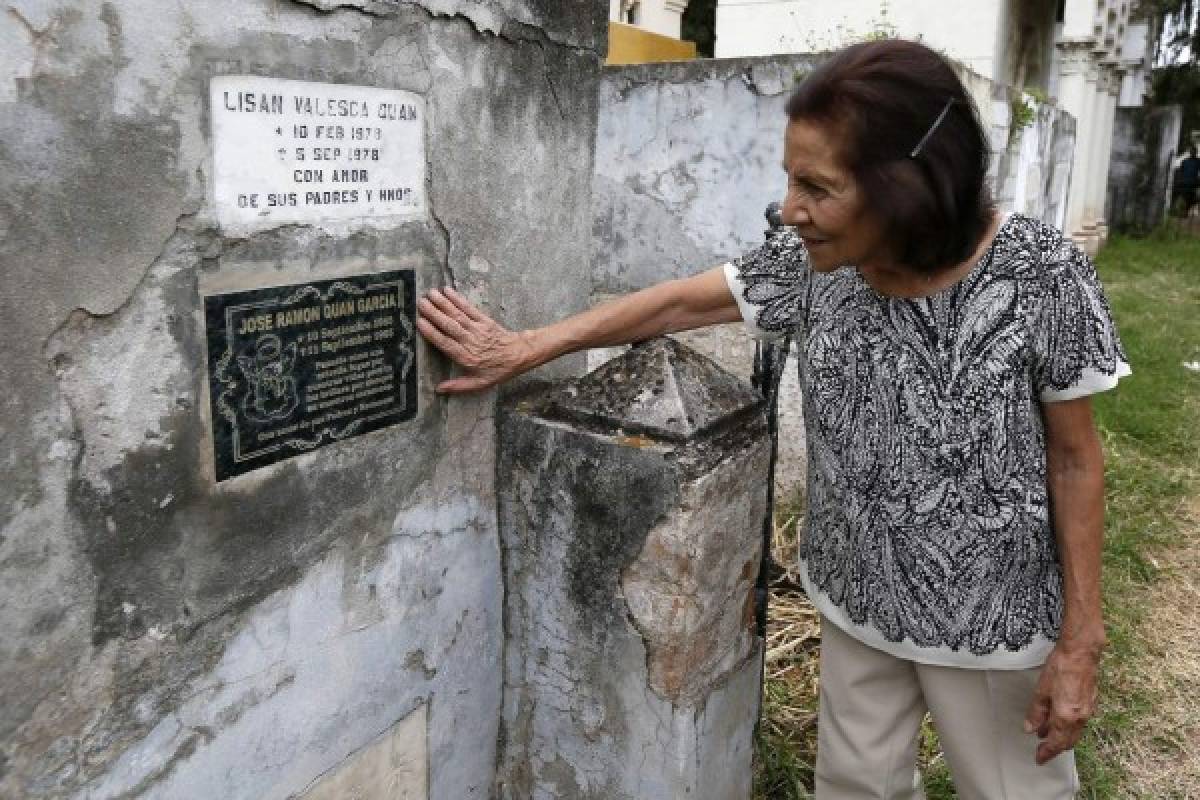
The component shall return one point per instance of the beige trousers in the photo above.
(871, 709)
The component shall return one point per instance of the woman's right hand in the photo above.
(488, 353)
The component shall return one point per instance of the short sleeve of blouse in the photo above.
(1076, 346)
(770, 284)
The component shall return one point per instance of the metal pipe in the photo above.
(770, 358)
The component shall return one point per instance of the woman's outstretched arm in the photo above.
(490, 354)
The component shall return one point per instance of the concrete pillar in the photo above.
(1086, 234)
(1075, 96)
(630, 506)
(674, 10)
(1111, 90)
(664, 17)
(1078, 19)
(1094, 209)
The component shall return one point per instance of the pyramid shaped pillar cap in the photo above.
(660, 389)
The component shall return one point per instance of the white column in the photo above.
(1079, 17)
(664, 17)
(1075, 98)
(1115, 78)
(676, 8)
(1094, 207)
(1092, 211)
(1114, 100)
(1088, 235)
(1105, 152)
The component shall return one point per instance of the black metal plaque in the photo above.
(293, 368)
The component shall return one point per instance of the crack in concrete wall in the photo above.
(505, 19)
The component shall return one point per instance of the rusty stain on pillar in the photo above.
(630, 503)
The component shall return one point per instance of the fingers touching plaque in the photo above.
(489, 353)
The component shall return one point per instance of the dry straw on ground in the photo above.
(793, 637)
(1163, 758)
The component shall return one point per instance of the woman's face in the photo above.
(824, 203)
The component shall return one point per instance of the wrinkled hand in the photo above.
(488, 352)
(1064, 700)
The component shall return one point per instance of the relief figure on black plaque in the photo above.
(272, 394)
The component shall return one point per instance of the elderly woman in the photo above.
(947, 355)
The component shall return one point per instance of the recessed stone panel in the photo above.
(393, 767)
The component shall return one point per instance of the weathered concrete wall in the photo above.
(162, 635)
(630, 517)
(688, 156)
(1031, 163)
(1140, 173)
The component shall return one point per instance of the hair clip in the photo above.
(921, 144)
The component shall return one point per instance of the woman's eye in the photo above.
(809, 189)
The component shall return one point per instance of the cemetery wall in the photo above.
(1143, 159)
(319, 613)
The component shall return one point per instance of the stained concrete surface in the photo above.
(159, 632)
(659, 388)
(631, 665)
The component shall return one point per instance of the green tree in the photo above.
(1178, 33)
(1176, 77)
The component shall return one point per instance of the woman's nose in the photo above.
(794, 213)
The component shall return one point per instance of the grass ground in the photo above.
(1145, 742)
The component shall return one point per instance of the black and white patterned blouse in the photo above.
(929, 532)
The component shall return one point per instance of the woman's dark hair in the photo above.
(927, 182)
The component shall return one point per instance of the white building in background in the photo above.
(981, 34)
(664, 17)
(1088, 55)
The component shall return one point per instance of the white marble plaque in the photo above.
(293, 152)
